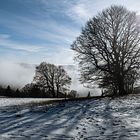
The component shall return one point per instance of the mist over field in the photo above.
(16, 75)
(20, 74)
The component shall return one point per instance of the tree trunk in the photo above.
(121, 86)
(53, 92)
(57, 90)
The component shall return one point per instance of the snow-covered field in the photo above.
(101, 119)
(20, 101)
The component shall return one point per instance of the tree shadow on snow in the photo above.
(108, 119)
(57, 121)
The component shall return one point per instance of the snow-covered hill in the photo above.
(104, 119)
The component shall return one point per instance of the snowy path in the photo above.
(101, 119)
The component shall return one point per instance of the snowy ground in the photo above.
(20, 101)
(101, 119)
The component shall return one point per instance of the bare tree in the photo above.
(72, 94)
(44, 76)
(108, 49)
(51, 77)
(62, 80)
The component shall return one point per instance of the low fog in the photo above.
(72, 70)
(16, 75)
(20, 74)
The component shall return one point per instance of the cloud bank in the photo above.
(14, 74)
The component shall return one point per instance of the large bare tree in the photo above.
(108, 50)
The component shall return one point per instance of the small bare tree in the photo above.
(108, 50)
(44, 76)
(62, 80)
(52, 78)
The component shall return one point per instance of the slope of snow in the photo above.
(104, 119)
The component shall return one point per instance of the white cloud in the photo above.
(83, 10)
(79, 12)
(61, 56)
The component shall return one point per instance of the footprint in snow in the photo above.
(101, 133)
(103, 128)
(81, 136)
(135, 130)
(123, 126)
(79, 133)
(97, 124)
(90, 120)
(77, 128)
(84, 128)
(82, 124)
(85, 132)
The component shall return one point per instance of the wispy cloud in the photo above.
(61, 56)
(82, 10)
(6, 42)
(51, 25)
(41, 28)
(49, 39)
(4, 36)
(36, 53)
(79, 13)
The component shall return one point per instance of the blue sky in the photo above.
(32, 31)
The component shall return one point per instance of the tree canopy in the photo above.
(52, 78)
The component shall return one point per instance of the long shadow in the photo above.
(61, 119)
(61, 116)
(114, 118)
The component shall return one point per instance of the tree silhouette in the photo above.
(62, 80)
(52, 78)
(108, 50)
(8, 91)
